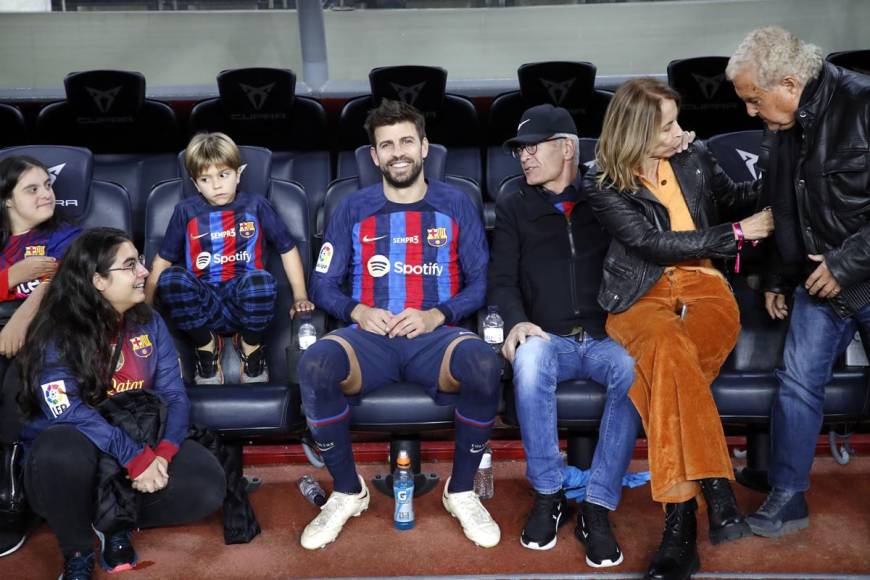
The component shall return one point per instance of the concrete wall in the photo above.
(627, 38)
(25, 6)
(169, 48)
(189, 48)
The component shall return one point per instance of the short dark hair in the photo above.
(393, 112)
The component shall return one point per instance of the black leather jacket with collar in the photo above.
(643, 243)
(832, 180)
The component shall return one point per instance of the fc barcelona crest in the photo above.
(142, 346)
(34, 251)
(247, 229)
(436, 237)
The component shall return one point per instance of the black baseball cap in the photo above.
(541, 122)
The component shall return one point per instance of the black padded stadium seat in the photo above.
(570, 85)
(709, 104)
(131, 136)
(252, 410)
(512, 181)
(107, 112)
(738, 154)
(138, 174)
(87, 201)
(451, 120)
(12, 128)
(259, 107)
(742, 155)
(856, 60)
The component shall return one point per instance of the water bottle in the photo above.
(403, 490)
(855, 354)
(312, 490)
(483, 483)
(493, 328)
(307, 332)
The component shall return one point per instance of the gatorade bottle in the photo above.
(403, 491)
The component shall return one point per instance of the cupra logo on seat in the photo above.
(558, 90)
(408, 94)
(709, 85)
(257, 95)
(103, 99)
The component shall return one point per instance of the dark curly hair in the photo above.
(393, 112)
(77, 322)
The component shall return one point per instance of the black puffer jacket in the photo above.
(643, 243)
(832, 180)
(142, 415)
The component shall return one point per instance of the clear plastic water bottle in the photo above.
(493, 327)
(403, 491)
(856, 356)
(311, 490)
(307, 332)
(484, 485)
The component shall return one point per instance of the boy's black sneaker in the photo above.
(593, 529)
(116, 551)
(78, 566)
(208, 364)
(253, 367)
(547, 514)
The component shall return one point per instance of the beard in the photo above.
(416, 169)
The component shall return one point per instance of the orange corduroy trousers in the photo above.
(676, 361)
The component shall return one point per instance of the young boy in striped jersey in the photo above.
(219, 284)
(415, 256)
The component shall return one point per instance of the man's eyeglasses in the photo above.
(130, 264)
(530, 148)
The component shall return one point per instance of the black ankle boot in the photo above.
(677, 558)
(726, 521)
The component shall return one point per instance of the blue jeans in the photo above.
(539, 367)
(816, 337)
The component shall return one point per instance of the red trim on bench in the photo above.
(503, 449)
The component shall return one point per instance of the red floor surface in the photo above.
(837, 542)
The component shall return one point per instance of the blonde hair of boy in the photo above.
(211, 149)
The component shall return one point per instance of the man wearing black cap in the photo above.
(547, 259)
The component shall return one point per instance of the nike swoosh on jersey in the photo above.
(367, 239)
(199, 236)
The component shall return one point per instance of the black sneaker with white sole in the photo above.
(14, 530)
(547, 514)
(593, 529)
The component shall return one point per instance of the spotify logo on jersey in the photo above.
(203, 259)
(378, 266)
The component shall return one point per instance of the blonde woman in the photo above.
(669, 307)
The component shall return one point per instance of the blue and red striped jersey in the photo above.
(35, 243)
(218, 243)
(405, 257)
(430, 254)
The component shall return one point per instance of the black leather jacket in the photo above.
(643, 243)
(832, 179)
